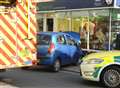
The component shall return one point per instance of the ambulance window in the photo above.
(7, 3)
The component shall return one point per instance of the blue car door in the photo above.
(62, 49)
(74, 52)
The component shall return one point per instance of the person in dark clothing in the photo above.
(116, 42)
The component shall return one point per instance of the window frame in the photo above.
(71, 40)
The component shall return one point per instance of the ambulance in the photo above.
(17, 33)
(103, 67)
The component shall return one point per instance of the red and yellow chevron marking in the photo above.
(15, 46)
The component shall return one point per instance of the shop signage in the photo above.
(75, 4)
(103, 3)
(109, 2)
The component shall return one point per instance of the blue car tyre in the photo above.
(111, 77)
(78, 61)
(56, 66)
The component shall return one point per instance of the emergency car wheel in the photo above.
(111, 77)
(56, 66)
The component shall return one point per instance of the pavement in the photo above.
(5, 85)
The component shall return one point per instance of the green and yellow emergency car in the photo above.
(103, 67)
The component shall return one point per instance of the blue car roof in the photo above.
(75, 35)
(50, 33)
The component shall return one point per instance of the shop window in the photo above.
(99, 29)
(93, 26)
(115, 33)
(50, 24)
(80, 24)
(63, 21)
(39, 22)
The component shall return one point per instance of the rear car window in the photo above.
(43, 39)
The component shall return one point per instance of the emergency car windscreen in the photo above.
(7, 3)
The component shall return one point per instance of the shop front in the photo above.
(97, 21)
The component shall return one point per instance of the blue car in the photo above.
(55, 49)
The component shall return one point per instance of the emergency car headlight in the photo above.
(93, 61)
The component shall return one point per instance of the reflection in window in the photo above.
(80, 24)
(63, 19)
(99, 29)
(93, 27)
(115, 33)
(39, 22)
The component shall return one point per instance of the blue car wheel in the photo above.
(56, 65)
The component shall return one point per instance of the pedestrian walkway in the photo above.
(5, 85)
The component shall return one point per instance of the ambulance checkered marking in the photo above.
(9, 36)
(14, 31)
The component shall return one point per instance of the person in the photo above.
(60, 40)
(116, 42)
(100, 35)
(100, 38)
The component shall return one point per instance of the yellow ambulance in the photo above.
(103, 67)
(17, 33)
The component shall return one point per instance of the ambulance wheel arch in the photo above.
(111, 68)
